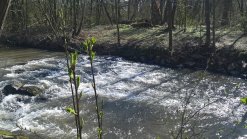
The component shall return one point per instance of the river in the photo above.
(140, 101)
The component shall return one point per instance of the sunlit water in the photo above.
(140, 101)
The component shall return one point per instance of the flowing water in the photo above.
(140, 101)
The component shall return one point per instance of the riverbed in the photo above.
(140, 101)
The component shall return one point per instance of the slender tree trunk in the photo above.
(207, 22)
(162, 4)
(166, 12)
(106, 11)
(119, 12)
(241, 6)
(74, 18)
(117, 21)
(129, 4)
(82, 17)
(213, 29)
(226, 10)
(155, 13)
(26, 15)
(4, 6)
(55, 11)
(185, 15)
(135, 7)
(173, 12)
(90, 12)
(169, 6)
(97, 12)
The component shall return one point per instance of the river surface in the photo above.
(140, 101)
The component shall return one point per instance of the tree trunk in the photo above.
(226, 9)
(173, 12)
(241, 6)
(207, 22)
(135, 7)
(117, 21)
(4, 6)
(97, 12)
(213, 29)
(155, 13)
(185, 15)
(119, 12)
(74, 18)
(169, 10)
(106, 11)
(166, 13)
(129, 4)
(82, 17)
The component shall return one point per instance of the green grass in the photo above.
(155, 36)
(7, 134)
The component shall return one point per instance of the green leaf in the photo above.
(91, 48)
(85, 44)
(78, 81)
(93, 55)
(238, 85)
(71, 73)
(80, 95)
(99, 131)
(101, 113)
(93, 40)
(82, 122)
(74, 58)
(244, 100)
(236, 122)
(71, 111)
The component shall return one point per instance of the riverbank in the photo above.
(150, 45)
(9, 135)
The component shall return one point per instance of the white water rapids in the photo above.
(140, 101)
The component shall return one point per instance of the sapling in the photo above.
(88, 47)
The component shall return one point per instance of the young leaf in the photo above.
(93, 55)
(101, 113)
(80, 95)
(82, 122)
(74, 57)
(71, 73)
(78, 81)
(93, 40)
(85, 44)
(71, 110)
(99, 131)
(244, 100)
(238, 85)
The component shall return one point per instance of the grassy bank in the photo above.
(9, 135)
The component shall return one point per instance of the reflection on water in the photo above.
(141, 101)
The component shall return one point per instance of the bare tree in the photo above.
(155, 12)
(117, 20)
(226, 10)
(207, 22)
(4, 6)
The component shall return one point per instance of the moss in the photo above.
(5, 133)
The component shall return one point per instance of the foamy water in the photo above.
(138, 97)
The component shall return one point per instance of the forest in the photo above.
(123, 69)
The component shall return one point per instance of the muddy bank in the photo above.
(226, 60)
